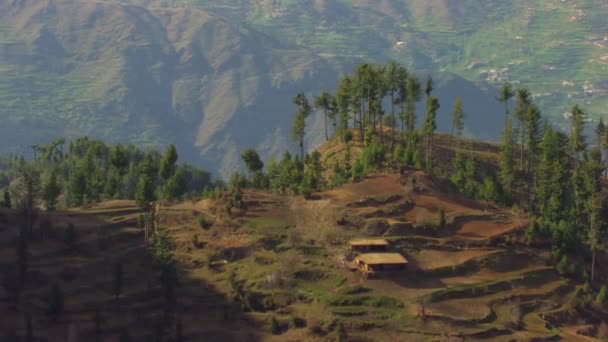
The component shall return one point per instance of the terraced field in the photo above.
(466, 281)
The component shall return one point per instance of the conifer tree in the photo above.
(533, 119)
(29, 187)
(429, 128)
(458, 117)
(252, 160)
(553, 177)
(413, 96)
(577, 126)
(324, 103)
(168, 162)
(595, 225)
(343, 96)
(522, 105)
(77, 187)
(144, 196)
(392, 85)
(402, 99)
(506, 94)
(298, 130)
(507, 159)
(50, 191)
(600, 131)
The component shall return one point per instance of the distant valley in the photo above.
(216, 79)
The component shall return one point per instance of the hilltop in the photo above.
(277, 267)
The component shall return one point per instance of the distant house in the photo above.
(380, 262)
(368, 245)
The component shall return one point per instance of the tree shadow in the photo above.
(97, 307)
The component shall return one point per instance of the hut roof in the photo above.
(368, 242)
(382, 259)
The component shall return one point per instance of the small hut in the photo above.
(368, 245)
(380, 262)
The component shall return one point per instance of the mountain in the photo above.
(147, 76)
(217, 77)
(558, 48)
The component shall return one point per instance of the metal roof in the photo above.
(382, 259)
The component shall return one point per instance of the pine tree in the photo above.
(507, 159)
(29, 185)
(553, 177)
(252, 160)
(77, 187)
(298, 130)
(50, 191)
(391, 78)
(430, 125)
(533, 119)
(600, 131)
(577, 126)
(402, 99)
(458, 117)
(413, 96)
(343, 99)
(523, 102)
(324, 103)
(144, 195)
(595, 225)
(168, 162)
(22, 257)
(506, 94)
(145, 191)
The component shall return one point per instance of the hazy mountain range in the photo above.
(216, 77)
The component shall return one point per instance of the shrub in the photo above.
(204, 223)
(297, 322)
(442, 218)
(357, 171)
(275, 327)
(601, 296)
(372, 156)
(562, 265)
(195, 242)
(348, 136)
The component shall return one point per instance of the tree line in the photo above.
(554, 176)
(86, 170)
